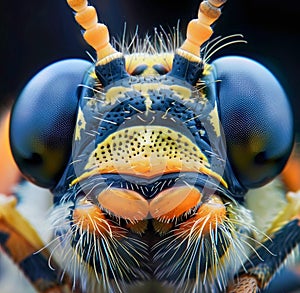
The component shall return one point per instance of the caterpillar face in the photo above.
(148, 158)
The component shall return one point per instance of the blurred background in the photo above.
(36, 33)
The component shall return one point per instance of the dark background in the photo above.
(36, 33)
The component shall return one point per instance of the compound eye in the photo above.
(43, 121)
(256, 118)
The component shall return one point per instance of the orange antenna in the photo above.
(96, 34)
(199, 30)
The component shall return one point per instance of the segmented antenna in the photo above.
(199, 30)
(96, 34)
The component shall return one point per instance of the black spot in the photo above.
(160, 69)
(139, 69)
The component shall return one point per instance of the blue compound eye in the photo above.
(256, 118)
(43, 121)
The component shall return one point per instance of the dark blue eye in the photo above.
(256, 118)
(43, 121)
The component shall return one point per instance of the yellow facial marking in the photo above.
(147, 152)
(80, 125)
(214, 119)
(115, 93)
(184, 92)
(207, 69)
